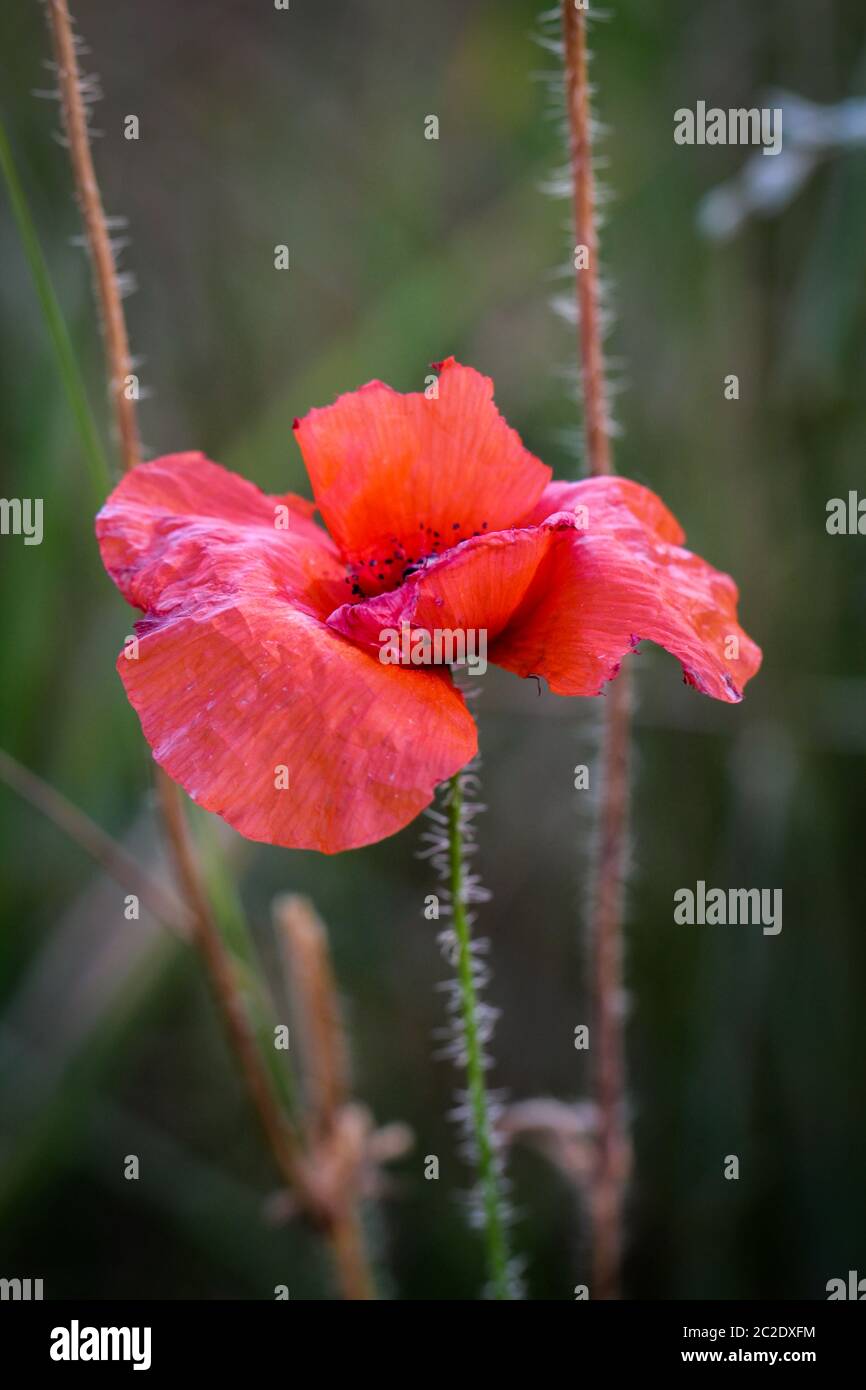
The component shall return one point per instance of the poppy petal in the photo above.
(398, 477)
(264, 714)
(289, 732)
(181, 515)
(606, 492)
(602, 589)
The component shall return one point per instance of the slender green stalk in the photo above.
(493, 1203)
(66, 361)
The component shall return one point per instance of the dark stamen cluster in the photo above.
(380, 569)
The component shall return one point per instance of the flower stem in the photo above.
(587, 279)
(280, 1135)
(613, 1147)
(221, 973)
(304, 939)
(493, 1205)
(96, 228)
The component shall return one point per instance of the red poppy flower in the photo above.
(258, 677)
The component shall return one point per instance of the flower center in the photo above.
(390, 563)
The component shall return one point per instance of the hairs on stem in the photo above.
(450, 844)
(76, 95)
(612, 1155)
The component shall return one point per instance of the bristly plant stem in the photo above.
(613, 1149)
(587, 277)
(98, 238)
(492, 1199)
(220, 971)
(613, 1144)
(279, 1134)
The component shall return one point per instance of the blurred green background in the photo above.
(306, 128)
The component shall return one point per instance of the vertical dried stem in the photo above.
(613, 1150)
(278, 1133)
(219, 969)
(304, 941)
(587, 279)
(98, 239)
(329, 1122)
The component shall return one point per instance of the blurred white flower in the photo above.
(764, 187)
